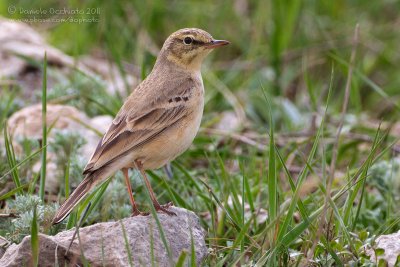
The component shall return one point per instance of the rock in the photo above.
(27, 123)
(101, 124)
(103, 244)
(391, 246)
(3, 244)
(261, 215)
(228, 122)
(18, 41)
(112, 74)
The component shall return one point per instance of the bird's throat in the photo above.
(187, 61)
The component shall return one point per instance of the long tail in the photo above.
(73, 200)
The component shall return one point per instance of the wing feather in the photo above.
(134, 127)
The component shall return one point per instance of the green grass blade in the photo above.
(32, 185)
(339, 219)
(243, 202)
(152, 256)
(44, 131)
(127, 246)
(159, 226)
(11, 158)
(296, 187)
(176, 198)
(102, 248)
(13, 192)
(94, 198)
(16, 166)
(72, 220)
(82, 256)
(272, 179)
(368, 82)
(181, 259)
(9, 100)
(188, 176)
(295, 232)
(239, 239)
(35, 238)
(364, 178)
(66, 178)
(192, 250)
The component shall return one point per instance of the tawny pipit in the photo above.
(157, 122)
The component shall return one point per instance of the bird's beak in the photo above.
(216, 43)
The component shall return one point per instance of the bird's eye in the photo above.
(188, 40)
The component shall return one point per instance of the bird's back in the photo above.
(162, 102)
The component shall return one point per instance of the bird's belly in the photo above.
(172, 142)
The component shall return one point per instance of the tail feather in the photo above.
(91, 179)
(73, 200)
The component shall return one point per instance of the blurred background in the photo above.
(288, 47)
(275, 77)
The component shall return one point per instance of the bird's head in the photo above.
(188, 47)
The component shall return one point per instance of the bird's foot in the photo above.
(139, 213)
(164, 208)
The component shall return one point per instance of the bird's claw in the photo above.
(164, 208)
(139, 213)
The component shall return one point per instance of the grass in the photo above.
(127, 247)
(44, 130)
(316, 147)
(35, 239)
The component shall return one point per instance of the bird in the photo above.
(157, 122)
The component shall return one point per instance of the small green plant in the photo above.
(65, 147)
(23, 208)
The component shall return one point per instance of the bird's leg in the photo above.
(168, 171)
(157, 206)
(135, 210)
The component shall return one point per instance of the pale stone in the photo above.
(103, 244)
(390, 244)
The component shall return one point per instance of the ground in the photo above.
(297, 158)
